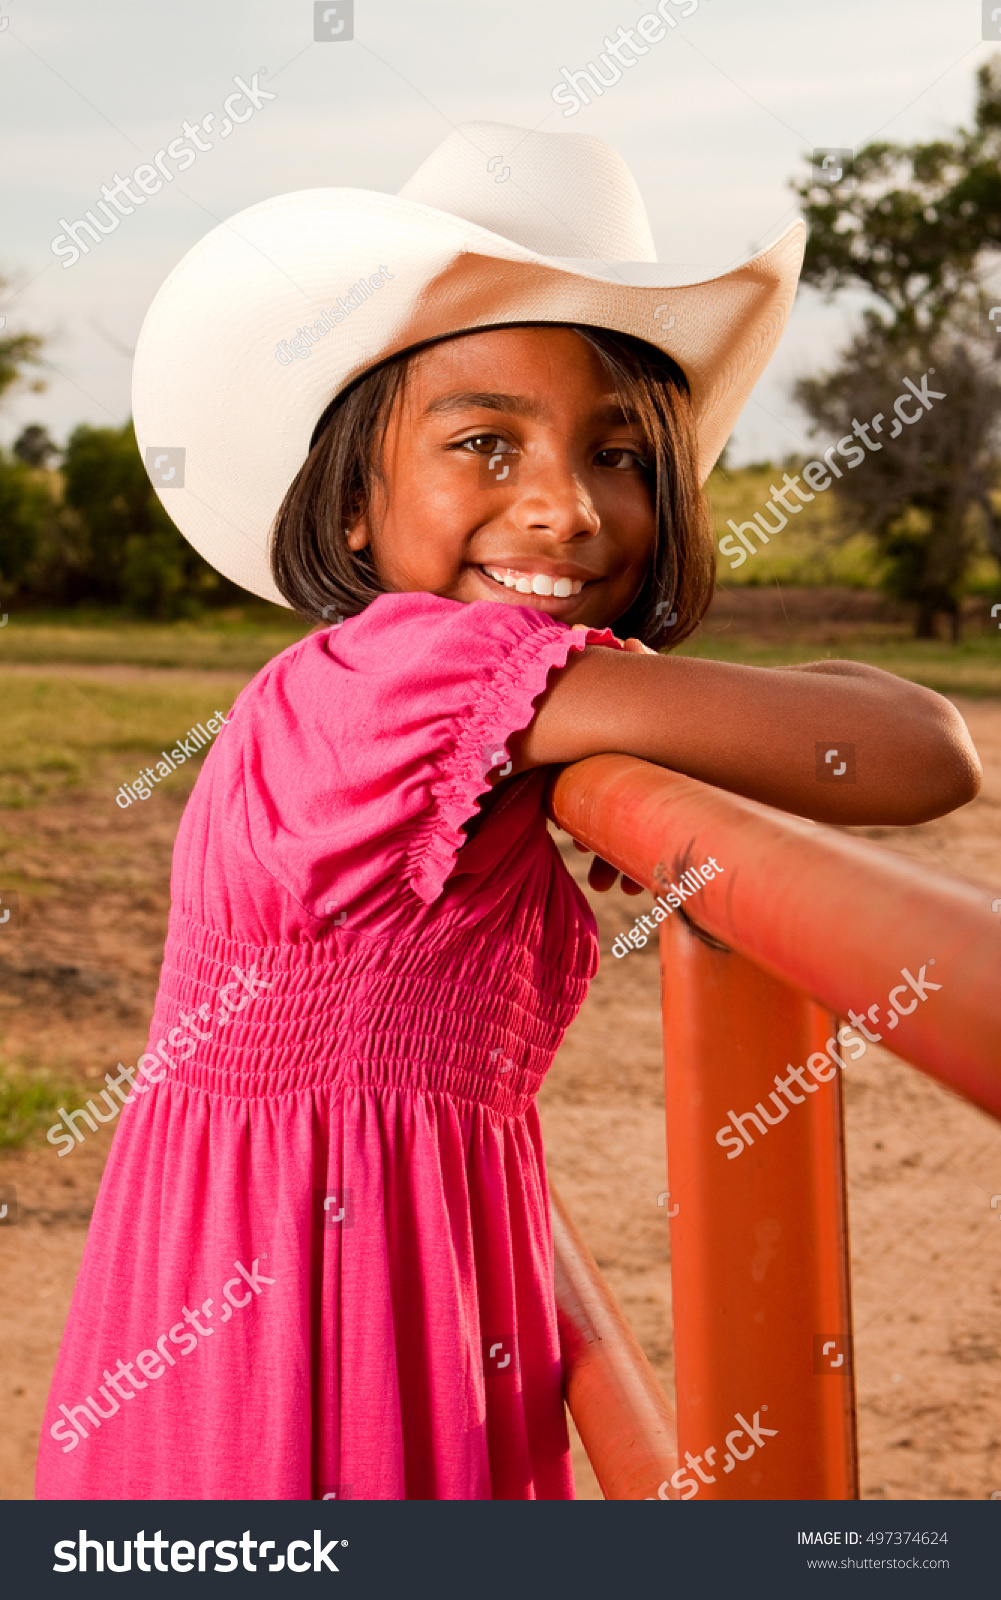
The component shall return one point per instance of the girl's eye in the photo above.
(620, 459)
(486, 444)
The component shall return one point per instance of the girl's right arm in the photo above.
(756, 731)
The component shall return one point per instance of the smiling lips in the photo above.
(534, 582)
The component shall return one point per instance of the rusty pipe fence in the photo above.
(802, 927)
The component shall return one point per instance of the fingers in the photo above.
(602, 875)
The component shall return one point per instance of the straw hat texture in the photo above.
(276, 311)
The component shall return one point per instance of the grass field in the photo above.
(63, 729)
(240, 640)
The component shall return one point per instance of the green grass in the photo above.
(241, 640)
(28, 1104)
(62, 730)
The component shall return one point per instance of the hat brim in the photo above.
(209, 380)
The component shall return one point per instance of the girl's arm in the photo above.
(756, 731)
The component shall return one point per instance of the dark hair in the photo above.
(320, 575)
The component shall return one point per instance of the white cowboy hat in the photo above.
(276, 311)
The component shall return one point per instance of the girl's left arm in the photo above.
(757, 730)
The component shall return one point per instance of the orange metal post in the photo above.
(759, 1239)
(625, 1420)
(759, 1247)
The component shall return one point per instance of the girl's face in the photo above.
(511, 474)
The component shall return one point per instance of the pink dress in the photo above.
(320, 1263)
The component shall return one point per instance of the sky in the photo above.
(714, 121)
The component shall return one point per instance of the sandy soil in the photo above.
(77, 982)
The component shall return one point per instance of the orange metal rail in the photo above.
(625, 1420)
(813, 924)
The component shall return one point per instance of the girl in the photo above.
(320, 1264)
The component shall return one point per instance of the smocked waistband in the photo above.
(260, 1022)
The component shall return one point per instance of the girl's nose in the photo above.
(552, 498)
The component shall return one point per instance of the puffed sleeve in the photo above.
(368, 746)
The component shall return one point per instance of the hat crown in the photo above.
(558, 194)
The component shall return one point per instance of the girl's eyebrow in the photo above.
(609, 413)
(474, 399)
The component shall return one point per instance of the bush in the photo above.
(96, 533)
(28, 507)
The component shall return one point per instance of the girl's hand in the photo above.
(602, 875)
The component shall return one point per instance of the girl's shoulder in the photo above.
(418, 643)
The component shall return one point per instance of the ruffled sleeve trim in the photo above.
(505, 706)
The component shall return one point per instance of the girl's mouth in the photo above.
(527, 582)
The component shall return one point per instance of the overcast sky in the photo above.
(713, 121)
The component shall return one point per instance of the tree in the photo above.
(135, 557)
(916, 493)
(26, 505)
(17, 351)
(28, 512)
(915, 226)
(35, 446)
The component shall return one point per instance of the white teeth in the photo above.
(535, 582)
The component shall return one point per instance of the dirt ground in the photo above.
(77, 982)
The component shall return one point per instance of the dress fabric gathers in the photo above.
(320, 1263)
